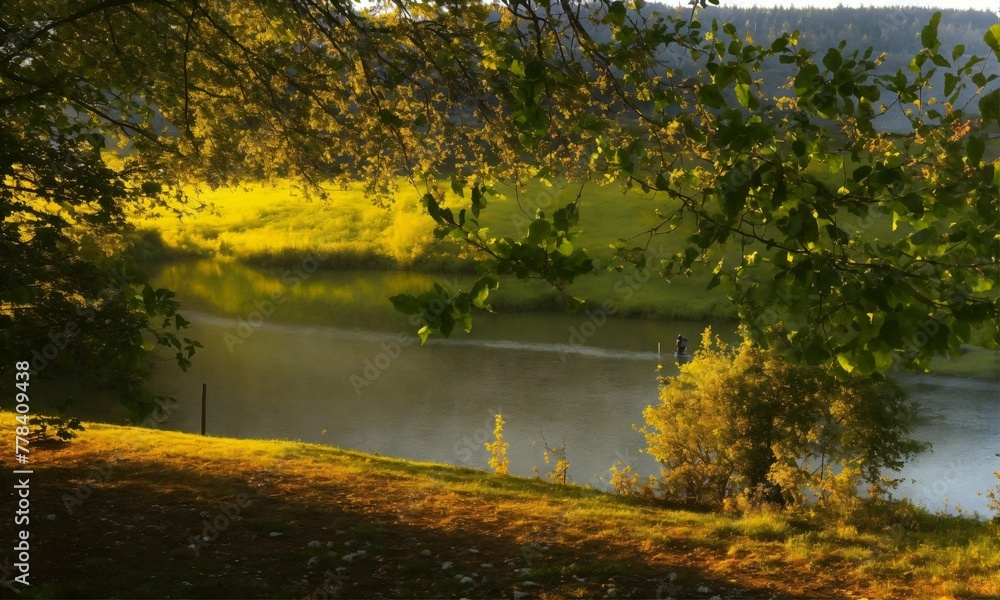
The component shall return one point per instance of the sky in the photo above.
(991, 5)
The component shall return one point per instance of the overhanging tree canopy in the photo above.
(107, 107)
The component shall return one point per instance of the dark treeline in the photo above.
(894, 30)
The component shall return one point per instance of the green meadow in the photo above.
(278, 226)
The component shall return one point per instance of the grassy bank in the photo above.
(118, 513)
(276, 224)
(277, 227)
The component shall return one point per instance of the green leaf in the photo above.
(929, 34)
(924, 236)
(151, 188)
(431, 204)
(950, 81)
(617, 13)
(406, 304)
(709, 95)
(538, 231)
(989, 106)
(799, 147)
(743, 94)
(974, 150)
(807, 79)
(992, 39)
(481, 291)
(940, 61)
(447, 323)
(389, 118)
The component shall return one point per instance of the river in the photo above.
(321, 357)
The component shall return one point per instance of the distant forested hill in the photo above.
(895, 31)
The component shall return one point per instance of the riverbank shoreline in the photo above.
(182, 515)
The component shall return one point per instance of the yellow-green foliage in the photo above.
(560, 470)
(498, 449)
(994, 496)
(744, 424)
(624, 481)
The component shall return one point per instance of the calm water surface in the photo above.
(322, 358)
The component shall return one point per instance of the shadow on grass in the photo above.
(265, 534)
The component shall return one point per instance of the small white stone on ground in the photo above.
(519, 595)
(473, 550)
(315, 544)
(447, 565)
(487, 565)
(276, 534)
(425, 552)
(704, 590)
(467, 580)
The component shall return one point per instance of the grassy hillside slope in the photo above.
(118, 513)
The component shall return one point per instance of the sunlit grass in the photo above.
(974, 362)
(260, 222)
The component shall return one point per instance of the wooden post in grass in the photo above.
(204, 398)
